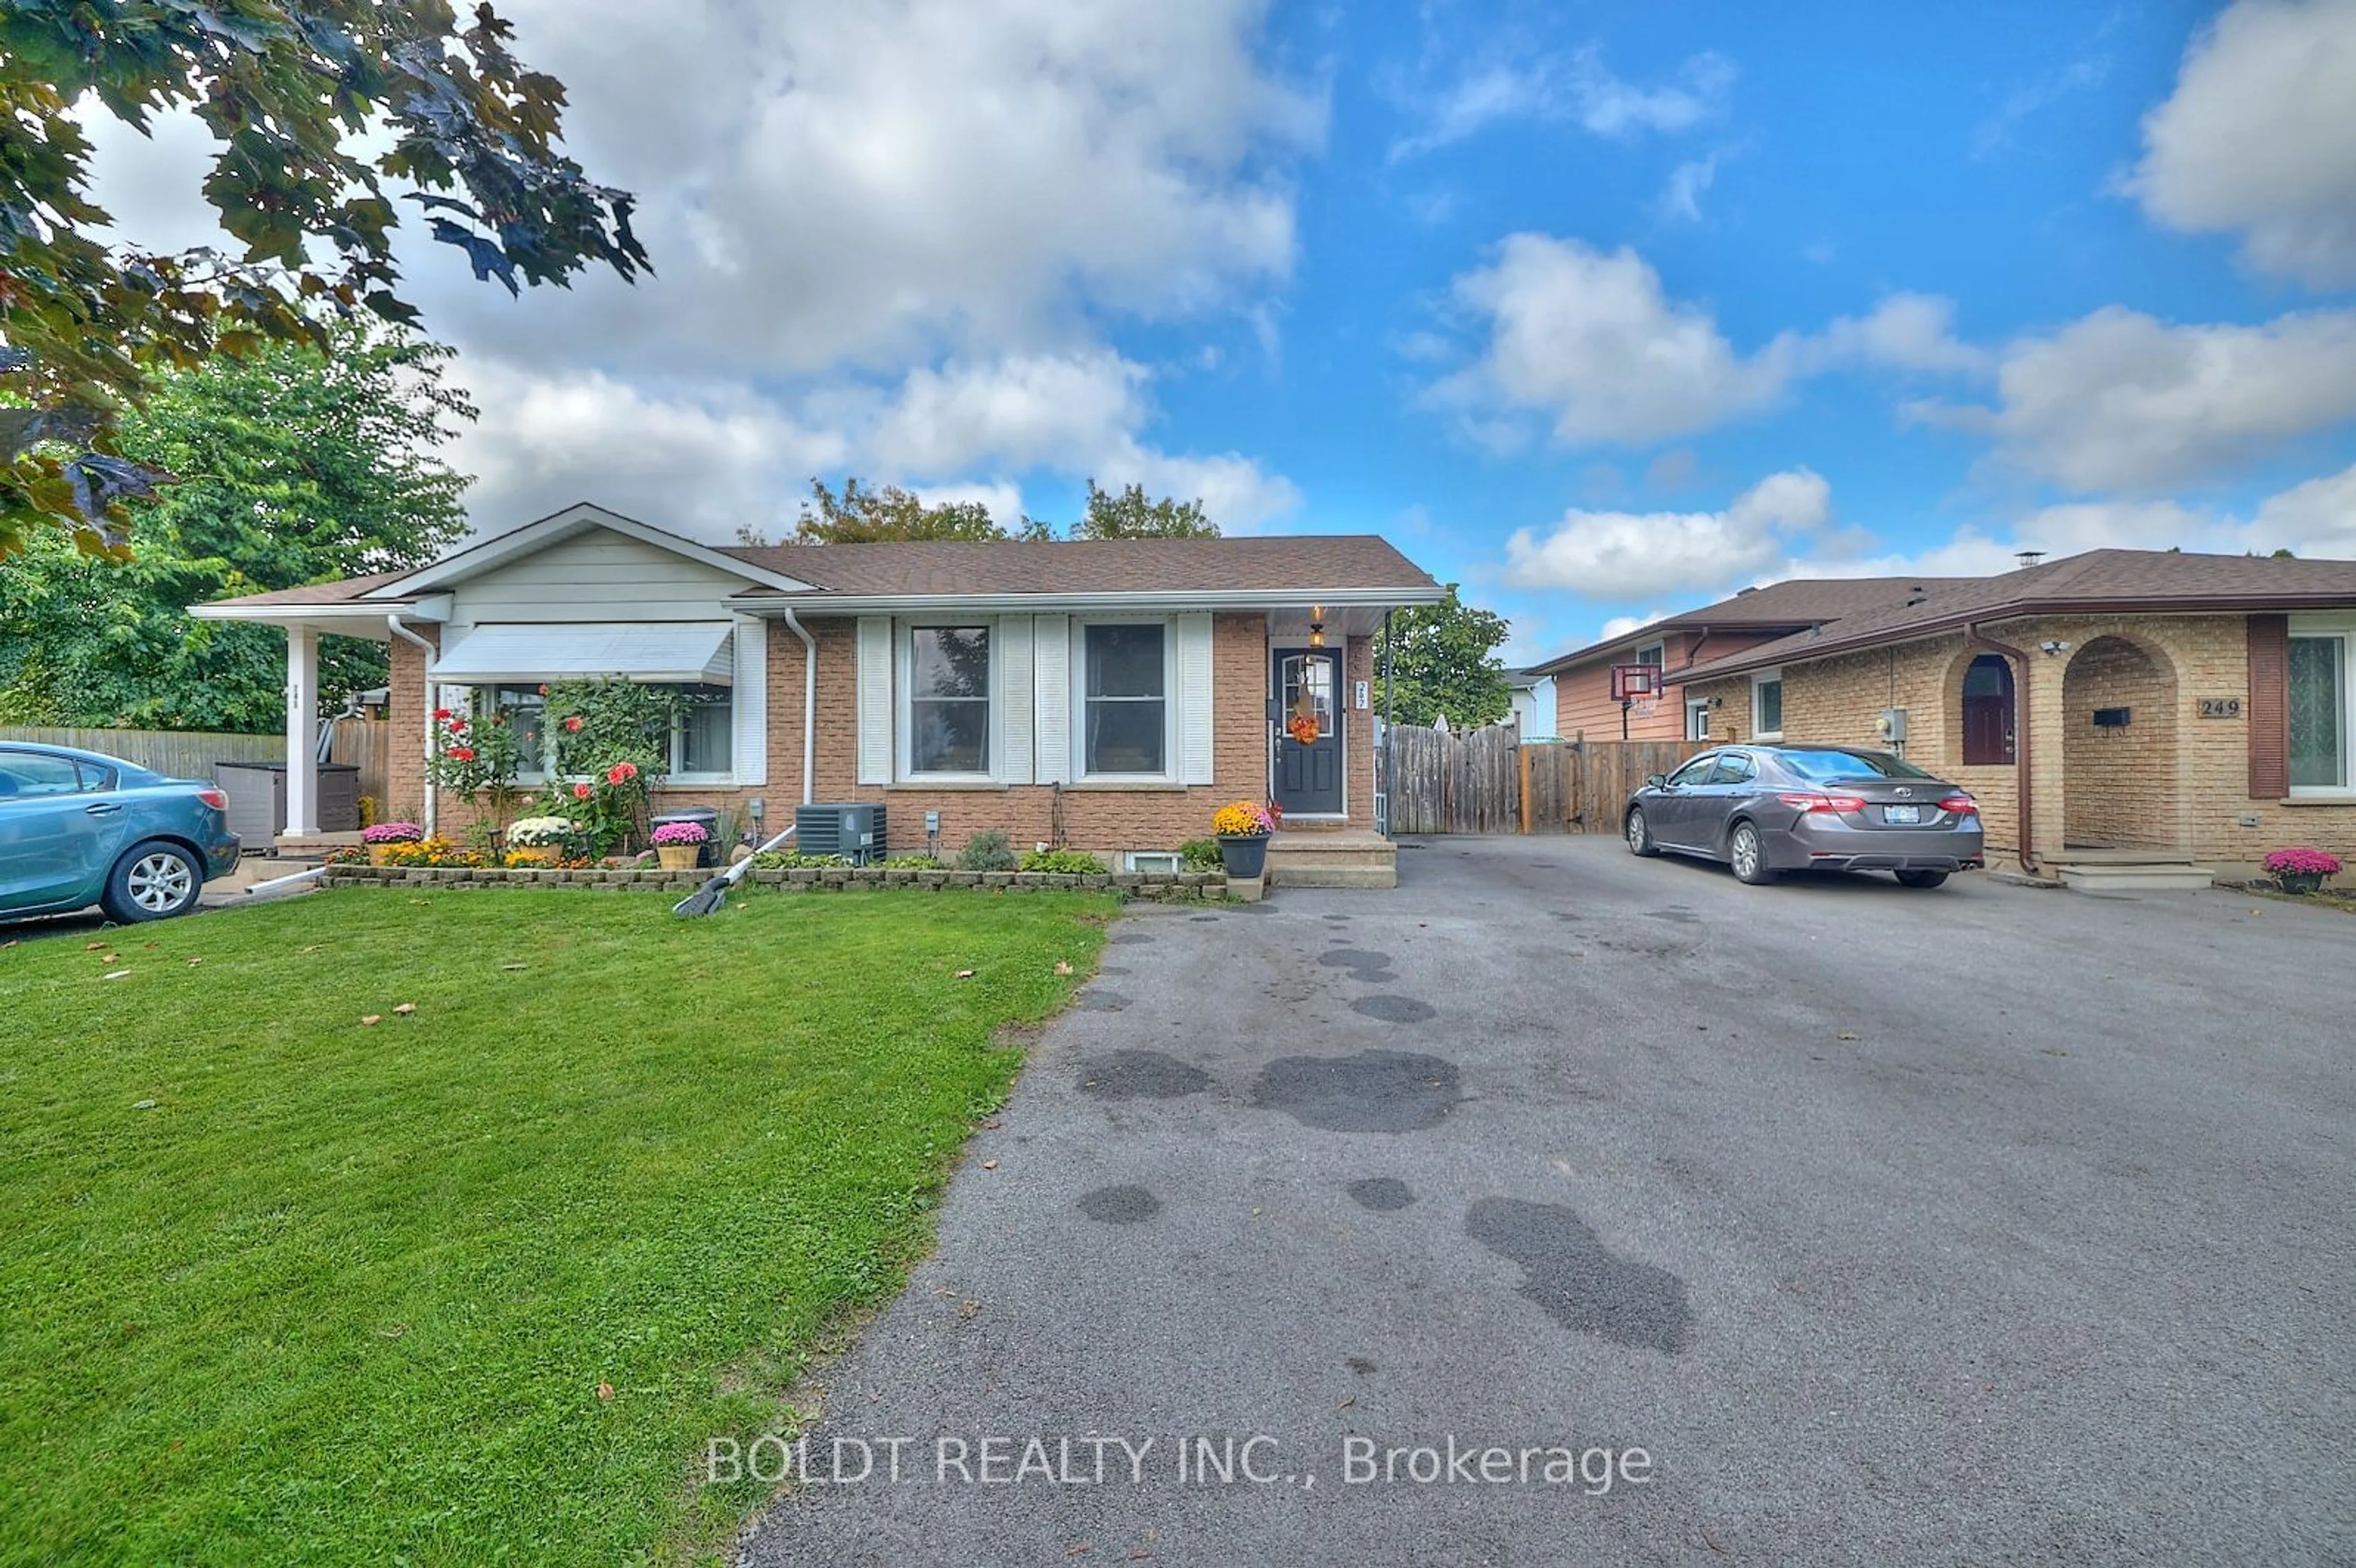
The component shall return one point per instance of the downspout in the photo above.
(1390, 739)
(810, 701)
(2022, 730)
(425, 705)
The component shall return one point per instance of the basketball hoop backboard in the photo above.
(1631, 682)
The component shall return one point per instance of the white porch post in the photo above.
(302, 732)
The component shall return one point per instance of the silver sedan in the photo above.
(1769, 809)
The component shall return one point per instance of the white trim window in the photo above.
(1654, 654)
(947, 710)
(2322, 706)
(1696, 717)
(1767, 705)
(526, 712)
(1122, 707)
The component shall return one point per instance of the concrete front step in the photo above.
(2136, 877)
(1342, 859)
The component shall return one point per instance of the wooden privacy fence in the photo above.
(191, 753)
(1489, 780)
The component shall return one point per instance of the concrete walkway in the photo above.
(1983, 1225)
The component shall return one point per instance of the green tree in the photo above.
(320, 106)
(1443, 659)
(869, 516)
(1130, 516)
(295, 466)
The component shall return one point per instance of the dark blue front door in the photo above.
(1308, 686)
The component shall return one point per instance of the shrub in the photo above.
(1199, 855)
(392, 833)
(987, 851)
(912, 863)
(1068, 862)
(791, 860)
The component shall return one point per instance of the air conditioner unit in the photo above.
(852, 830)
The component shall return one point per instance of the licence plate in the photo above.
(1902, 815)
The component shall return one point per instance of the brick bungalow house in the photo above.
(2118, 706)
(1584, 708)
(1103, 695)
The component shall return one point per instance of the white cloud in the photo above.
(1609, 555)
(1591, 339)
(1621, 626)
(1995, 133)
(2121, 400)
(1681, 198)
(1905, 332)
(1577, 89)
(2318, 517)
(2259, 138)
(890, 240)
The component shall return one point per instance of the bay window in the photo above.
(1125, 699)
(948, 700)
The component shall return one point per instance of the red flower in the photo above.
(621, 773)
(544, 688)
(573, 725)
(457, 726)
(441, 713)
(581, 792)
(462, 754)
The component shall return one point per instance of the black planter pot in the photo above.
(2291, 881)
(1245, 855)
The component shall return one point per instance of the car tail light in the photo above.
(1837, 804)
(213, 798)
(1960, 804)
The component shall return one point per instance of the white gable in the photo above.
(595, 574)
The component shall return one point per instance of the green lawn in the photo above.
(346, 1294)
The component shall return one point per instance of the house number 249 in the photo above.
(2221, 708)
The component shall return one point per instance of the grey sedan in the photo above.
(1768, 809)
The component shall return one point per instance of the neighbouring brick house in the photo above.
(2190, 706)
(1104, 695)
(1585, 709)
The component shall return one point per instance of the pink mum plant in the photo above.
(2302, 863)
(392, 833)
(674, 834)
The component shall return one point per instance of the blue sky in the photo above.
(1604, 311)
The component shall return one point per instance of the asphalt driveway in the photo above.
(1845, 1223)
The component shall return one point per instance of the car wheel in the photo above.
(1748, 855)
(1640, 834)
(154, 881)
(1922, 878)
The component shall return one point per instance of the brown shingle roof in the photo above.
(2155, 581)
(1302, 563)
(1794, 602)
(948, 568)
(342, 590)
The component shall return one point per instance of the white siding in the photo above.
(597, 575)
(876, 700)
(749, 747)
(1052, 733)
(1017, 700)
(1194, 698)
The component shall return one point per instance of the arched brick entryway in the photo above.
(2118, 752)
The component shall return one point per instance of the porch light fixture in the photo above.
(1317, 625)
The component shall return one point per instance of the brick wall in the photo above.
(1105, 819)
(2172, 779)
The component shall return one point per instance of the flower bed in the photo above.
(800, 879)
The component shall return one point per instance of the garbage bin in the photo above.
(703, 816)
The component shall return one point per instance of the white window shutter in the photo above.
(1196, 753)
(749, 746)
(874, 700)
(1016, 699)
(1051, 660)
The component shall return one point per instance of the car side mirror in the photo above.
(1655, 781)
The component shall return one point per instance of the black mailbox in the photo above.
(2111, 718)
